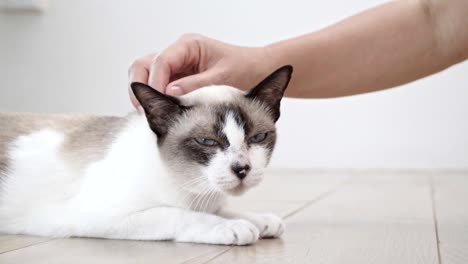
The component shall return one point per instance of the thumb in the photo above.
(189, 83)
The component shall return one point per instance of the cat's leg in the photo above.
(168, 223)
(269, 225)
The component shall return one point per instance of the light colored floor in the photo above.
(348, 217)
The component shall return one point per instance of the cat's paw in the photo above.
(235, 232)
(269, 225)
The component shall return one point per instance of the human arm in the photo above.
(382, 47)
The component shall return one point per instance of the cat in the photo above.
(161, 175)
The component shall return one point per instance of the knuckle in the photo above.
(190, 37)
(135, 64)
(160, 59)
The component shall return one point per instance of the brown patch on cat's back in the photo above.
(13, 125)
(86, 137)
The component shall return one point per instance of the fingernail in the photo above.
(140, 110)
(175, 91)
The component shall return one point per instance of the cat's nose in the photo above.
(240, 170)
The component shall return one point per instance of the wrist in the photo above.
(262, 62)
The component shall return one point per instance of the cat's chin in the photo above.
(237, 191)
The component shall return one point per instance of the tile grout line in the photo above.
(217, 255)
(318, 198)
(210, 259)
(38, 243)
(434, 216)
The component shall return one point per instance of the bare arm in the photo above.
(380, 48)
(383, 47)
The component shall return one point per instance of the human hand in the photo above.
(194, 61)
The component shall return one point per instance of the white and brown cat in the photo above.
(163, 175)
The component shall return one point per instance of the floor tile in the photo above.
(369, 220)
(11, 242)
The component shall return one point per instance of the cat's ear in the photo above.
(160, 109)
(270, 91)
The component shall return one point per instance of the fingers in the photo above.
(182, 62)
(159, 73)
(176, 59)
(139, 72)
(190, 83)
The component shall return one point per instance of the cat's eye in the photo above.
(207, 142)
(258, 138)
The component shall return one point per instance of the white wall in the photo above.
(74, 58)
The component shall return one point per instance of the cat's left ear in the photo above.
(160, 109)
(271, 90)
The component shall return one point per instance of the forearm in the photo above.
(380, 48)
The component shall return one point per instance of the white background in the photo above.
(74, 58)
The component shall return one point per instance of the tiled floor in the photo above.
(348, 217)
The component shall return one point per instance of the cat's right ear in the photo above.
(160, 109)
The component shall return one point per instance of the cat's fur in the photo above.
(159, 176)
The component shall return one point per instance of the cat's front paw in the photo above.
(269, 225)
(235, 232)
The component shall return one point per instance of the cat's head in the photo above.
(217, 134)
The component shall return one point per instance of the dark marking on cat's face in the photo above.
(194, 152)
(241, 118)
(217, 129)
(269, 143)
(202, 154)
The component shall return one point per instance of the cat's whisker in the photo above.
(197, 199)
(192, 189)
(225, 182)
(192, 201)
(192, 181)
(205, 204)
(189, 187)
(202, 198)
(211, 197)
(193, 197)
